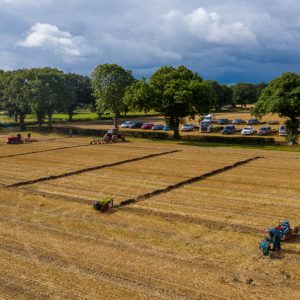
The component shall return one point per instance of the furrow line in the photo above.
(42, 151)
(185, 182)
(77, 172)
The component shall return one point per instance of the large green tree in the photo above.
(180, 92)
(282, 96)
(2, 78)
(224, 94)
(49, 92)
(174, 92)
(17, 94)
(109, 82)
(244, 93)
(82, 93)
(140, 96)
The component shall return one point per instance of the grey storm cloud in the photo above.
(230, 41)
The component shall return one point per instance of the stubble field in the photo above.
(197, 240)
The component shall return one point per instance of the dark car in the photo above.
(265, 130)
(222, 121)
(228, 129)
(238, 122)
(158, 127)
(4, 125)
(253, 122)
(135, 125)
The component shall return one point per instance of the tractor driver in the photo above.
(274, 235)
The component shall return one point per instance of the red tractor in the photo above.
(18, 139)
(111, 136)
(15, 139)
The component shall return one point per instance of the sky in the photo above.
(229, 41)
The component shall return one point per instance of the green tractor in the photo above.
(104, 204)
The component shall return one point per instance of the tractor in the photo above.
(111, 136)
(104, 204)
(18, 139)
(285, 233)
(15, 139)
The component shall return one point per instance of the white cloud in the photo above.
(51, 37)
(228, 40)
(209, 27)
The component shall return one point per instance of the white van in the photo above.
(282, 130)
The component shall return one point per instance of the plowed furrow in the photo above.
(85, 170)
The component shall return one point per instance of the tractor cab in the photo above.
(112, 131)
(104, 204)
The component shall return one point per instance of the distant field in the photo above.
(196, 241)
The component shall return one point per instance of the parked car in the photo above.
(135, 125)
(147, 126)
(5, 125)
(238, 122)
(167, 128)
(187, 127)
(253, 122)
(222, 121)
(282, 130)
(158, 127)
(265, 130)
(208, 118)
(228, 129)
(248, 130)
(126, 124)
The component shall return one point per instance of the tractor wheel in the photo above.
(287, 236)
(105, 207)
(106, 138)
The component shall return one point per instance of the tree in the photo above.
(259, 88)
(16, 94)
(82, 92)
(140, 96)
(282, 96)
(244, 93)
(2, 79)
(223, 94)
(49, 93)
(179, 93)
(109, 82)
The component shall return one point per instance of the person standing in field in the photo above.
(274, 235)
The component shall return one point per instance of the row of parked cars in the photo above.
(141, 125)
(242, 122)
(227, 129)
(249, 130)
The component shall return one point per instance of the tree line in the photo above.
(43, 91)
(175, 92)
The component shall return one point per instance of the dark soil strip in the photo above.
(47, 150)
(185, 182)
(53, 177)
